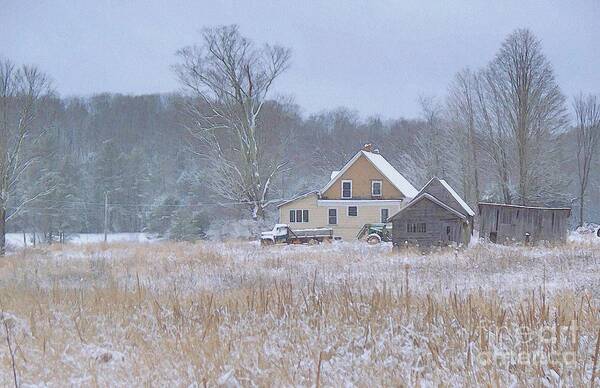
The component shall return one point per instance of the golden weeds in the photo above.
(222, 313)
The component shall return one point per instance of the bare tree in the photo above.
(530, 109)
(21, 90)
(461, 105)
(495, 137)
(433, 151)
(431, 139)
(230, 79)
(587, 128)
(432, 148)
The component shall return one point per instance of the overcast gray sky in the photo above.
(373, 56)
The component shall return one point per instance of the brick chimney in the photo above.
(368, 147)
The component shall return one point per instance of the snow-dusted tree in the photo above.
(432, 139)
(188, 225)
(336, 142)
(587, 129)
(495, 137)
(21, 90)
(461, 110)
(432, 154)
(230, 79)
(529, 107)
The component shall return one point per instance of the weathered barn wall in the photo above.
(435, 188)
(510, 223)
(436, 218)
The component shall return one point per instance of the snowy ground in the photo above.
(15, 240)
(238, 314)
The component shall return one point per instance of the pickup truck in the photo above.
(282, 233)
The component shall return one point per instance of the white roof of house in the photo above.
(392, 174)
(333, 174)
(458, 199)
(384, 167)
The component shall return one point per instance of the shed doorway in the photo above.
(449, 232)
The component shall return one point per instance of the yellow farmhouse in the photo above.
(366, 190)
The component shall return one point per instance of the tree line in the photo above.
(184, 165)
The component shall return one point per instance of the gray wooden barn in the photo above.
(436, 216)
(513, 223)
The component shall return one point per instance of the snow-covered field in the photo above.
(15, 240)
(337, 314)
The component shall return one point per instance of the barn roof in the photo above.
(525, 207)
(466, 208)
(432, 199)
(384, 167)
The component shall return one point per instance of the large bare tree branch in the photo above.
(587, 129)
(21, 90)
(231, 79)
(521, 112)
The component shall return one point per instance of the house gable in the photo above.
(361, 172)
(363, 169)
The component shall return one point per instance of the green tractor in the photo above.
(375, 233)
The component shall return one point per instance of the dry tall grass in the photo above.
(235, 314)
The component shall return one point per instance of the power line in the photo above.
(117, 204)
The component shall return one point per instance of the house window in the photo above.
(346, 189)
(420, 227)
(376, 188)
(298, 216)
(352, 211)
(332, 216)
(384, 215)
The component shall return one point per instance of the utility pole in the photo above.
(105, 216)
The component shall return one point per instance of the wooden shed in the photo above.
(437, 216)
(500, 223)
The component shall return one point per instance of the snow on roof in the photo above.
(454, 194)
(458, 198)
(334, 174)
(298, 197)
(385, 168)
(391, 174)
